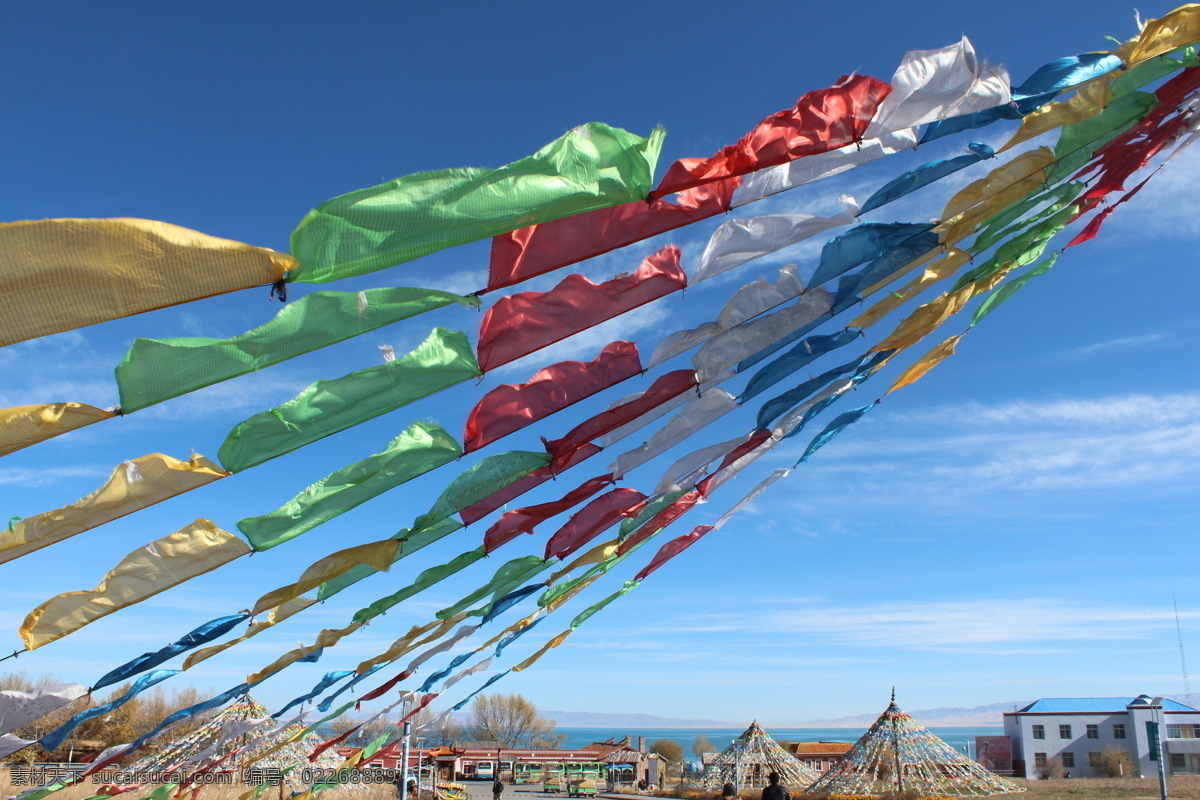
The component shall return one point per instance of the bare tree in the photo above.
(511, 721)
(1113, 763)
(137, 716)
(670, 750)
(702, 746)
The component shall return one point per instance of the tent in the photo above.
(748, 760)
(233, 741)
(897, 754)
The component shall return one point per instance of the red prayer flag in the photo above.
(523, 520)
(522, 323)
(478, 510)
(756, 439)
(592, 520)
(1115, 161)
(821, 120)
(663, 389)
(511, 407)
(1092, 229)
(538, 249)
(661, 520)
(672, 549)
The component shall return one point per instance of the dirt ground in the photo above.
(1183, 787)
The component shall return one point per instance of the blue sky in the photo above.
(1013, 526)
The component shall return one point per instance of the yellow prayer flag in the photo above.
(326, 638)
(941, 269)
(133, 485)
(377, 555)
(550, 645)
(1169, 32)
(199, 548)
(1088, 101)
(992, 193)
(924, 319)
(23, 426)
(554, 604)
(520, 624)
(593, 556)
(276, 616)
(62, 274)
(919, 261)
(408, 642)
(925, 363)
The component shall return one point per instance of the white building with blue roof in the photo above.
(1077, 730)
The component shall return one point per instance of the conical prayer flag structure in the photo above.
(896, 754)
(233, 740)
(753, 756)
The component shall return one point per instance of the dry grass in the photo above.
(226, 792)
(1181, 787)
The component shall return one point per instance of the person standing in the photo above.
(775, 790)
(497, 788)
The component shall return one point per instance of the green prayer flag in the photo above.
(155, 370)
(997, 227)
(586, 614)
(656, 505)
(993, 300)
(593, 166)
(330, 406)
(510, 575)
(421, 448)
(426, 579)
(1020, 250)
(409, 543)
(1155, 69)
(485, 477)
(1079, 140)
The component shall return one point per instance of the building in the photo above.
(615, 762)
(1077, 731)
(819, 755)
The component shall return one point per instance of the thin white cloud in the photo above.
(1120, 343)
(29, 478)
(952, 625)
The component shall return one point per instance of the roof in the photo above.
(1083, 705)
(819, 748)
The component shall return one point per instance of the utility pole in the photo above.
(407, 742)
(1156, 704)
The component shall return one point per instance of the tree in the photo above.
(1052, 770)
(701, 746)
(134, 718)
(669, 749)
(512, 722)
(1113, 763)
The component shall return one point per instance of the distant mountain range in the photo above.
(594, 719)
(977, 717)
(980, 716)
(951, 717)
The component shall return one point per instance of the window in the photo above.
(1093, 759)
(1118, 731)
(1185, 731)
(1093, 731)
(1178, 761)
(1039, 731)
(1039, 759)
(1068, 759)
(1064, 731)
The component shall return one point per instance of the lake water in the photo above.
(958, 738)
